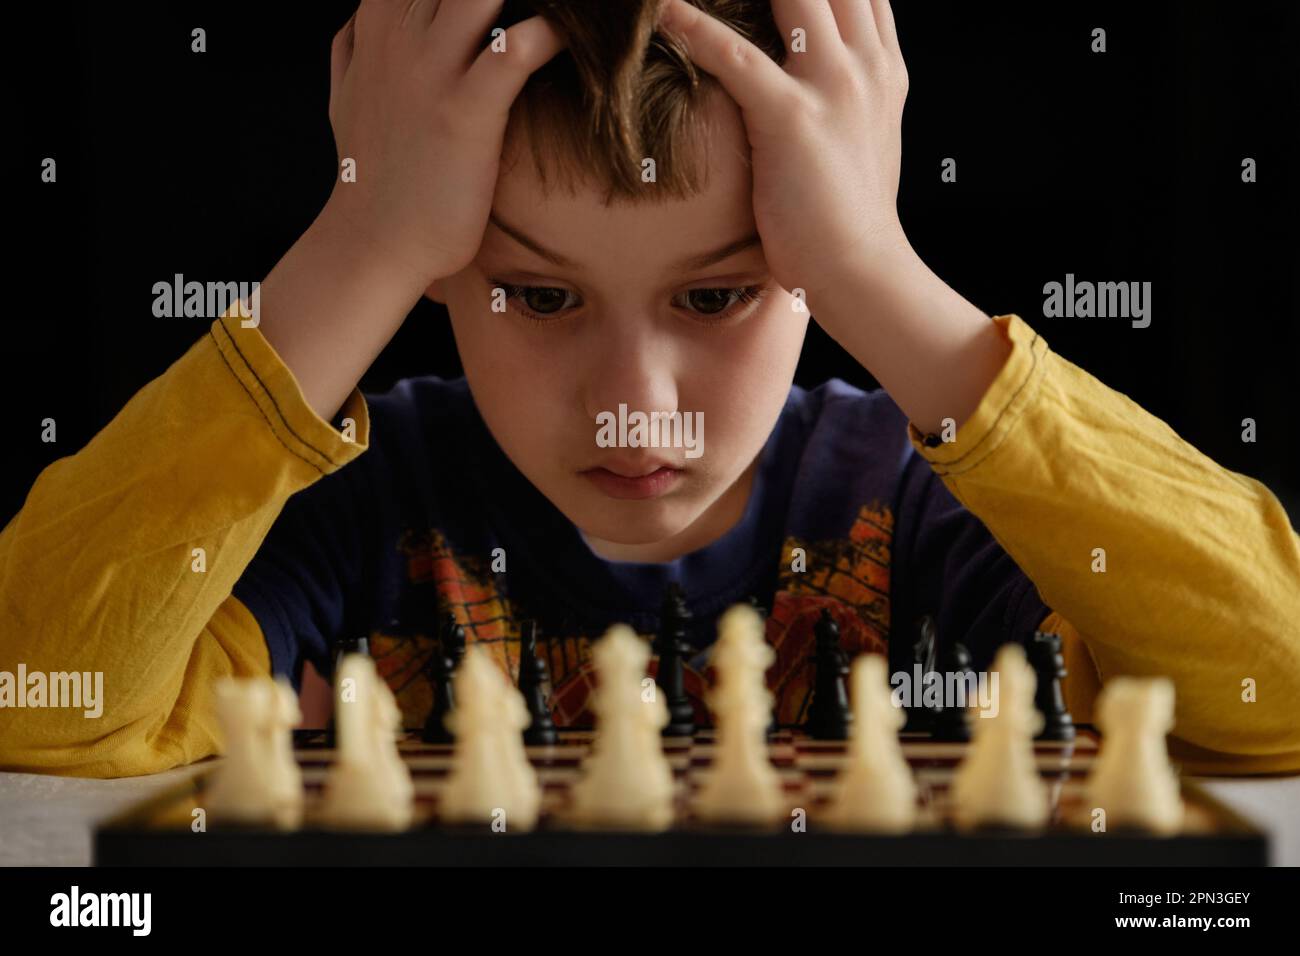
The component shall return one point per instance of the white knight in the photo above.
(1132, 779)
(259, 783)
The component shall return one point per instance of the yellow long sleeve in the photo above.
(100, 572)
(1202, 567)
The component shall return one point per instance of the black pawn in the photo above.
(532, 684)
(772, 726)
(446, 658)
(349, 645)
(829, 716)
(924, 651)
(950, 723)
(672, 647)
(1049, 667)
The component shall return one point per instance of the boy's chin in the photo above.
(634, 523)
(643, 528)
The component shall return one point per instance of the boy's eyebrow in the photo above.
(529, 243)
(691, 263)
(707, 259)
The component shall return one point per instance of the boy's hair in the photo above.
(621, 92)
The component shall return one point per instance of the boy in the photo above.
(249, 510)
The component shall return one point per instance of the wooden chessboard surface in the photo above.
(160, 831)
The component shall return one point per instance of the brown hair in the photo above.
(620, 92)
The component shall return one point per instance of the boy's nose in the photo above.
(633, 366)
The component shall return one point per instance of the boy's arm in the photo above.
(95, 570)
(99, 571)
(1202, 566)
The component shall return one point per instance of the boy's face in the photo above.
(625, 318)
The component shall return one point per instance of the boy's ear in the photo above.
(435, 292)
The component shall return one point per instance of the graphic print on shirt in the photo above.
(848, 576)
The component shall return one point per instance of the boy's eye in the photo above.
(543, 300)
(709, 301)
(544, 303)
(722, 303)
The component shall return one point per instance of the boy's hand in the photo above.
(420, 103)
(825, 131)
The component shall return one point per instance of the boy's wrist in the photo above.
(931, 349)
(351, 237)
(875, 263)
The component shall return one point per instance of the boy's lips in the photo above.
(633, 480)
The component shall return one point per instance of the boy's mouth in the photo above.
(632, 481)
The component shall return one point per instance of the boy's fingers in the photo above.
(379, 11)
(816, 19)
(496, 77)
(420, 13)
(748, 74)
(885, 24)
(459, 28)
(856, 22)
(383, 7)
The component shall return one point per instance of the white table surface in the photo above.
(49, 821)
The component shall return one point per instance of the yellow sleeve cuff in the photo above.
(271, 386)
(1001, 407)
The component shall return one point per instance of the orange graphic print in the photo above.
(849, 577)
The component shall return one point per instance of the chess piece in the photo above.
(285, 775)
(829, 716)
(875, 791)
(924, 651)
(346, 646)
(491, 780)
(368, 786)
(1132, 779)
(259, 784)
(627, 782)
(951, 723)
(773, 726)
(442, 666)
(741, 786)
(672, 647)
(998, 783)
(1049, 667)
(350, 645)
(533, 678)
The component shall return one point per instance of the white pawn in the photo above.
(491, 780)
(627, 781)
(286, 775)
(1132, 779)
(742, 786)
(259, 783)
(876, 790)
(998, 783)
(368, 785)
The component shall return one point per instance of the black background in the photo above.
(1122, 166)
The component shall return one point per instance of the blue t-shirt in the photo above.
(843, 515)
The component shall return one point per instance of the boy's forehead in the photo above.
(580, 227)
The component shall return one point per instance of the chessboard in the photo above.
(164, 831)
